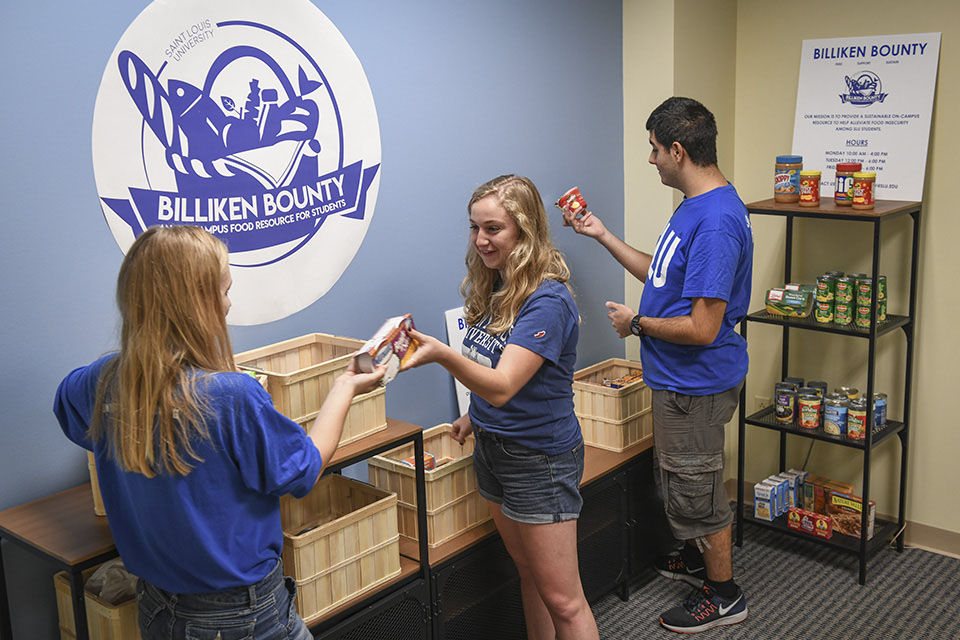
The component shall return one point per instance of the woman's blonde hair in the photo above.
(173, 328)
(533, 259)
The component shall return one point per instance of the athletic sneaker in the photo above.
(705, 609)
(674, 567)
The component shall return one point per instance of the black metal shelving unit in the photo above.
(884, 531)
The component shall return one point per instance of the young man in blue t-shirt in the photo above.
(696, 291)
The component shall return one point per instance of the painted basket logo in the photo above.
(863, 90)
(233, 125)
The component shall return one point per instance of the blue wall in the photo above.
(464, 92)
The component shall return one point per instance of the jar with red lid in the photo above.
(843, 193)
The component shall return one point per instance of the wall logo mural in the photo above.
(253, 120)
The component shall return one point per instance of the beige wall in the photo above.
(767, 59)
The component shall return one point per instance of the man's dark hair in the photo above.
(688, 122)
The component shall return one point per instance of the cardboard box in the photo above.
(815, 524)
(846, 510)
(764, 501)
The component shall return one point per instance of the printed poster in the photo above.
(253, 120)
(456, 330)
(868, 100)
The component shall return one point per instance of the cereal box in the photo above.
(391, 345)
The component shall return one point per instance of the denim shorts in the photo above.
(688, 435)
(530, 487)
(263, 611)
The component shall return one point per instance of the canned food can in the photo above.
(824, 312)
(835, 274)
(808, 410)
(826, 286)
(881, 310)
(857, 419)
(785, 399)
(835, 415)
(851, 393)
(821, 388)
(864, 291)
(794, 380)
(880, 410)
(844, 289)
(882, 288)
(863, 317)
(842, 314)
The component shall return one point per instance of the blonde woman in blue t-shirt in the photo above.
(518, 361)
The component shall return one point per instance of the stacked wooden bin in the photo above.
(613, 417)
(453, 503)
(340, 540)
(105, 621)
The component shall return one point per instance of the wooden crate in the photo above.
(95, 485)
(300, 373)
(593, 400)
(105, 621)
(339, 541)
(453, 504)
(617, 435)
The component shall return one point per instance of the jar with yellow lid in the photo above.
(810, 188)
(863, 182)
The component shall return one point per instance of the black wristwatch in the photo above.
(635, 325)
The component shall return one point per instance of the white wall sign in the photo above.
(456, 330)
(868, 100)
(253, 120)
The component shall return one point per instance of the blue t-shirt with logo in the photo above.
(705, 251)
(219, 526)
(540, 416)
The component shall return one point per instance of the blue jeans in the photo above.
(531, 487)
(263, 611)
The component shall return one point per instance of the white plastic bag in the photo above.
(112, 582)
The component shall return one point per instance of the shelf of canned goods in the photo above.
(873, 327)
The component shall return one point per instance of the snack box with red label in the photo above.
(429, 461)
(815, 524)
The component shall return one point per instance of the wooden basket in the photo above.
(95, 485)
(592, 399)
(339, 541)
(453, 504)
(617, 435)
(105, 621)
(612, 419)
(300, 373)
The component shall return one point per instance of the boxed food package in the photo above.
(391, 345)
(846, 511)
(795, 304)
(572, 202)
(764, 501)
(429, 461)
(809, 522)
(790, 489)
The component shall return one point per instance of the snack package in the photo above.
(846, 510)
(391, 345)
(572, 202)
(795, 304)
(809, 522)
(429, 461)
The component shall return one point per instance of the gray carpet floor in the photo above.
(797, 590)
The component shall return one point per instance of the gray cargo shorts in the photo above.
(688, 434)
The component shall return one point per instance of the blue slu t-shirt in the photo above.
(705, 251)
(540, 416)
(219, 526)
